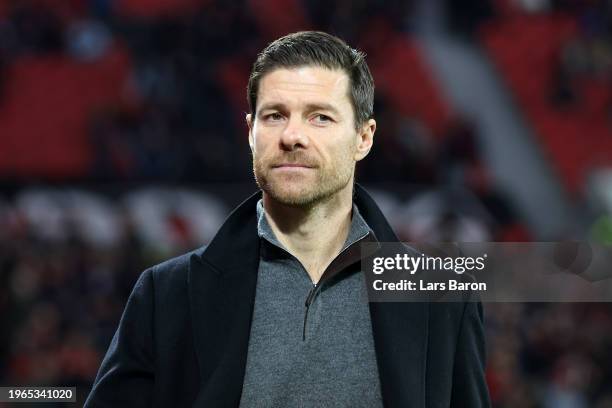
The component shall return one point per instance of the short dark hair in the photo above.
(308, 48)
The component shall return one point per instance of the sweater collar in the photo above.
(357, 229)
(238, 236)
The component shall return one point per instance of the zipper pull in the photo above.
(309, 299)
(311, 294)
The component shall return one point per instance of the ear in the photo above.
(249, 121)
(365, 139)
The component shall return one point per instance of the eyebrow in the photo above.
(322, 106)
(309, 107)
(272, 106)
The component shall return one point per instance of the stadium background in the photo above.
(122, 142)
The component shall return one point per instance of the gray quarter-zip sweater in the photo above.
(311, 345)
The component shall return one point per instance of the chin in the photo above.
(298, 192)
(294, 197)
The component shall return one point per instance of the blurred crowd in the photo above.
(182, 114)
(69, 256)
(587, 56)
(549, 355)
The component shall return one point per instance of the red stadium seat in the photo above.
(47, 103)
(153, 9)
(275, 18)
(407, 83)
(526, 49)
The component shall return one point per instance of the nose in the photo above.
(293, 136)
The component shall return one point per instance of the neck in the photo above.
(313, 234)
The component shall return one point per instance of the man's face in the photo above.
(303, 138)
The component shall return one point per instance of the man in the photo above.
(271, 312)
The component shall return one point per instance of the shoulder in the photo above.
(176, 263)
(173, 270)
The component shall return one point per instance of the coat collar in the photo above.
(222, 282)
(236, 235)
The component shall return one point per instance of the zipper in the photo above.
(309, 300)
(315, 286)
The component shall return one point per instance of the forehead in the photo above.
(304, 85)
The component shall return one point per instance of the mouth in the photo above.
(292, 166)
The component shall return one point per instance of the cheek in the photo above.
(340, 155)
(261, 141)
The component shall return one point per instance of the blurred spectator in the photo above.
(87, 40)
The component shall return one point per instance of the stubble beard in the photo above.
(301, 190)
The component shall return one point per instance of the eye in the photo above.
(321, 119)
(273, 117)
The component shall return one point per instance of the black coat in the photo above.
(183, 337)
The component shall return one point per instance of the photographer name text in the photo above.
(421, 285)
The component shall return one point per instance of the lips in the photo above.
(292, 165)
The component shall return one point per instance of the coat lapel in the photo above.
(400, 329)
(222, 282)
